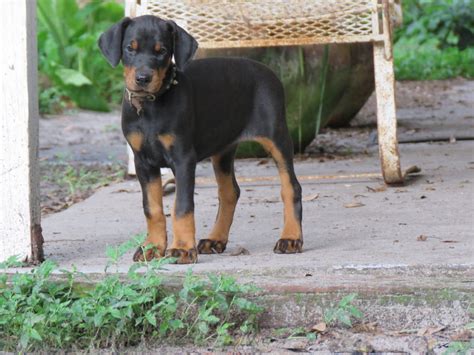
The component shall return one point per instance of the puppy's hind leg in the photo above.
(229, 192)
(281, 149)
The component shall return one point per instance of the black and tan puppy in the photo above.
(176, 114)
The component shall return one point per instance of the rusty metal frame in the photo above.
(383, 15)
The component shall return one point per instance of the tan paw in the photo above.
(147, 253)
(288, 246)
(183, 256)
(209, 246)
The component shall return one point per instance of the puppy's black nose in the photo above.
(142, 79)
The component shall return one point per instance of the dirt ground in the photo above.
(82, 151)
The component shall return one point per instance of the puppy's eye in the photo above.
(130, 48)
(162, 51)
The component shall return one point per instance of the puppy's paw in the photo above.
(288, 246)
(209, 246)
(183, 256)
(147, 253)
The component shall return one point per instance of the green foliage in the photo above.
(459, 347)
(80, 179)
(344, 312)
(37, 312)
(70, 64)
(427, 62)
(436, 41)
(449, 22)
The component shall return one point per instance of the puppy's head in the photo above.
(146, 45)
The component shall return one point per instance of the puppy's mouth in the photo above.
(154, 82)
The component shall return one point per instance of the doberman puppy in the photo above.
(177, 114)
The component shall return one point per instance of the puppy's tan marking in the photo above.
(291, 227)
(157, 47)
(134, 44)
(184, 231)
(156, 222)
(167, 140)
(135, 139)
(227, 202)
(129, 74)
(157, 79)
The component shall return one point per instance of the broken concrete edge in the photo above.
(395, 308)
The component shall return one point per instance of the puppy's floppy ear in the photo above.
(184, 45)
(110, 42)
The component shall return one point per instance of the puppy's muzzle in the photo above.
(143, 78)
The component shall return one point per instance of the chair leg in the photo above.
(386, 116)
(131, 162)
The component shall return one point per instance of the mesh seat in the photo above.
(237, 23)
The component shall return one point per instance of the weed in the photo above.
(301, 332)
(80, 179)
(12, 261)
(344, 312)
(459, 347)
(38, 312)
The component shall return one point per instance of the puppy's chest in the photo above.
(151, 144)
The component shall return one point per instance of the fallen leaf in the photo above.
(263, 162)
(450, 241)
(397, 191)
(421, 238)
(123, 190)
(310, 197)
(370, 327)
(270, 201)
(464, 335)
(433, 330)
(354, 205)
(377, 189)
(319, 328)
(240, 251)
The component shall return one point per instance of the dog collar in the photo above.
(136, 98)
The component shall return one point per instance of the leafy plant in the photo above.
(436, 41)
(70, 64)
(38, 312)
(80, 179)
(344, 312)
(449, 22)
(459, 347)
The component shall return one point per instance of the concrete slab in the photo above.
(343, 246)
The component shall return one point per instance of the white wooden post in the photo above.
(130, 11)
(20, 230)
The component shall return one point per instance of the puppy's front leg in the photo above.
(155, 243)
(183, 246)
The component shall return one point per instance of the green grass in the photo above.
(38, 312)
(426, 61)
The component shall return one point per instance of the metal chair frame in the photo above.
(260, 23)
